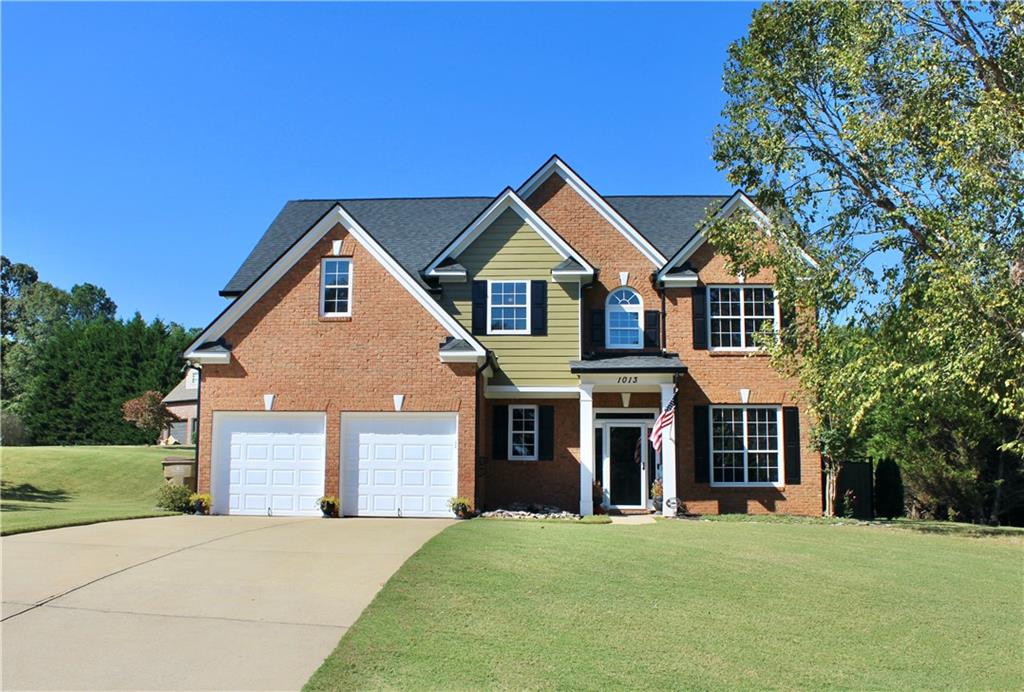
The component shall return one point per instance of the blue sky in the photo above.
(145, 147)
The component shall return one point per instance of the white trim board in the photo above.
(337, 215)
(508, 199)
(556, 166)
(738, 199)
(531, 392)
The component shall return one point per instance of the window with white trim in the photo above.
(737, 313)
(522, 433)
(624, 311)
(508, 307)
(745, 445)
(336, 287)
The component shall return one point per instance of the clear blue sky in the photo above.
(146, 147)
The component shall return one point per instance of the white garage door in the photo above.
(268, 461)
(399, 464)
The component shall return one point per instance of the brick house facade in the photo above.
(336, 371)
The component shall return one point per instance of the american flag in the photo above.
(664, 421)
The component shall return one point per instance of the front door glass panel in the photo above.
(626, 464)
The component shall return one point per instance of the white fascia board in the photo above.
(220, 358)
(335, 216)
(506, 200)
(579, 186)
(513, 392)
(679, 281)
(462, 357)
(739, 198)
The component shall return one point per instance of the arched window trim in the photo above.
(611, 308)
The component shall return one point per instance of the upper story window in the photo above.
(737, 313)
(745, 445)
(508, 307)
(624, 319)
(336, 287)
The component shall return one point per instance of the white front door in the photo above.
(398, 464)
(268, 463)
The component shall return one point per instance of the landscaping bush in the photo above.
(460, 507)
(174, 497)
(889, 500)
(329, 506)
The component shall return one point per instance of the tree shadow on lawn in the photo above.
(26, 492)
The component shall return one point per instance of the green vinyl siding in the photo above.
(509, 249)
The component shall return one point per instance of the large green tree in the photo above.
(892, 136)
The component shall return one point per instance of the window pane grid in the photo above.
(623, 319)
(737, 314)
(745, 445)
(523, 423)
(508, 306)
(335, 287)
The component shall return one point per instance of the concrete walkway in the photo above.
(191, 602)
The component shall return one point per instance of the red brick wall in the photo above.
(711, 378)
(599, 243)
(388, 346)
(716, 378)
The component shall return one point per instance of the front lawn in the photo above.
(691, 604)
(47, 487)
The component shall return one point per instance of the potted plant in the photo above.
(329, 506)
(657, 494)
(460, 507)
(200, 503)
(598, 497)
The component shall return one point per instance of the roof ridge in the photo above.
(664, 196)
(387, 199)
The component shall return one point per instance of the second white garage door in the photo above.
(399, 464)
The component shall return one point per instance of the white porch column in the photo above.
(668, 454)
(587, 449)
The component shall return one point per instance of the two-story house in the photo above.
(399, 352)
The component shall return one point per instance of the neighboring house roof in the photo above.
(630, 363)
(180, 394)
(415, 231)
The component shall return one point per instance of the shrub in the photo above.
(148, 413)
(200, 503)
(329, 505)
(174, 497)
(460, 506)
(849, 503)
(889, 500)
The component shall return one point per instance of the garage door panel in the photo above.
(268, 461)
(398, 463)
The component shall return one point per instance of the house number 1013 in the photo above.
(628, 379)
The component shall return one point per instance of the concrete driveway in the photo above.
(191, 602)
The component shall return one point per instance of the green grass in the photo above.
(47, 487)
(947, 528)
(691, 604)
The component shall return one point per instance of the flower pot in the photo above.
(657, 504)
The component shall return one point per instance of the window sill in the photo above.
(748, 486)
(739, 353)
(335, 318)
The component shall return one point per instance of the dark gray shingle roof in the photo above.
(414, 231)
(181, 393)
(639, 363)
(668, 222)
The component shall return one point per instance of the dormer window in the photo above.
(508, 307)
(336, 287)
(624, 312)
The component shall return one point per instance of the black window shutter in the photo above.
(539, 308)
(652, 329)
(791, 443)
(787, 316)
(546, 433)
(479, 308)
(597, 328)
(499, 429)
(700, 318)
(701, 445)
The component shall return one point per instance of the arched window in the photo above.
(623, 317)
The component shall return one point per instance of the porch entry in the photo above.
(624, 461)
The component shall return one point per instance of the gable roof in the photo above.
(415, 230)
(181, 393)
(299, 247)
(555, 166)
(507, 200)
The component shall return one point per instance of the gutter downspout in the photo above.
(476, 428)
